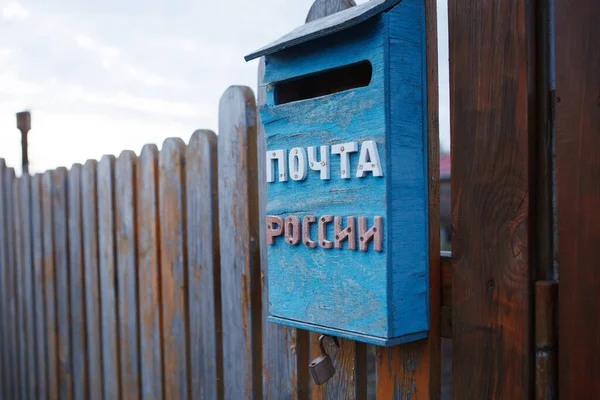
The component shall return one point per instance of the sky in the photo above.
(100, 77)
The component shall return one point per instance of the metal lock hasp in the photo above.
(321, 368)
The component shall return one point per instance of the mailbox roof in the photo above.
(326, 26)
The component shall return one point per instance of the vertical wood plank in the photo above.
(41, 362)
(204, 272)
(125, 231)
(61, 263)
(11, 285)
(77, 284)
(27, 284)
(414, 369)
(578, 195)
(350, 362)
(174, 268)
(89, 207)
(50, 286)
(240, 253)
(4, 329)
(19, 266)
(285, 350)
(149, 274)
(108, 278)
(490, 93)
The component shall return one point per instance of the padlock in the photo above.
(322, 368)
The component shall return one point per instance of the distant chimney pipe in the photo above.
(24, 125)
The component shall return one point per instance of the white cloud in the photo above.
(14, 10)
(12, 85)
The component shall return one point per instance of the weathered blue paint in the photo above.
(375, 297)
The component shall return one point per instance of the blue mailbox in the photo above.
(347, 211)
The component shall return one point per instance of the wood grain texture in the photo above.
(89, 208)
(61, 264)
(77, 285)
(108, 278)
(492, 281)
(148, 229)
(350, 362)
(29, 337)
(41, 374)
(323, 8)
(578, 194)
(174, 279)
(4, 300)
(50, 286)
(9, 179)
(240, 253)
(19, 266)
(414, 370)
(285, 350)
(127, 288)
(204, 266)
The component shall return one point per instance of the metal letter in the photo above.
(292, 230)
(274, 228)
(297, 163)
(278, 155)
(308, 221)
(369, 160)
(326, 244)
(375, 234)
(322, 164)
(343, 234)
(344, 151)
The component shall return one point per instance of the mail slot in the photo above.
(346, 166)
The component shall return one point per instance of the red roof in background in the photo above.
(445, 165)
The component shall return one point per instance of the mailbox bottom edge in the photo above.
(359, 337)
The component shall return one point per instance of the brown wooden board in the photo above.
(148, 230)
(578, 194)
(61, 263)
(19, 266)
(77, 285)
(127, 294)
(50, 286)
(492, 295)
(285, 350)
(41, 374)
(4, 329)
(414, 369)
(28, 310)
(240, 250)
(174, 284)
(13, 366)
(350, 362)
(108, 278)
(89, 208)
(206, 344)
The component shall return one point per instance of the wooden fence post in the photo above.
(240, 256)
(174, 281)
(492, 117)
(151, 347)
(91, 259)
(204, 268)
(578, 195)
(127, 273)
(4, 330)
(108, 275)
(18, 268)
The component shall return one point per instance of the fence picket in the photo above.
(77, 284)
(61, 263)
(27, 274)
(149, 273)
(174, 284)
(204, 266)
(89, 207)
(13, 367)
(19, 266)
(240, 255)
(50, 286)
(41, 372)
(125, 234)
(108, 289)
(4, 330)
